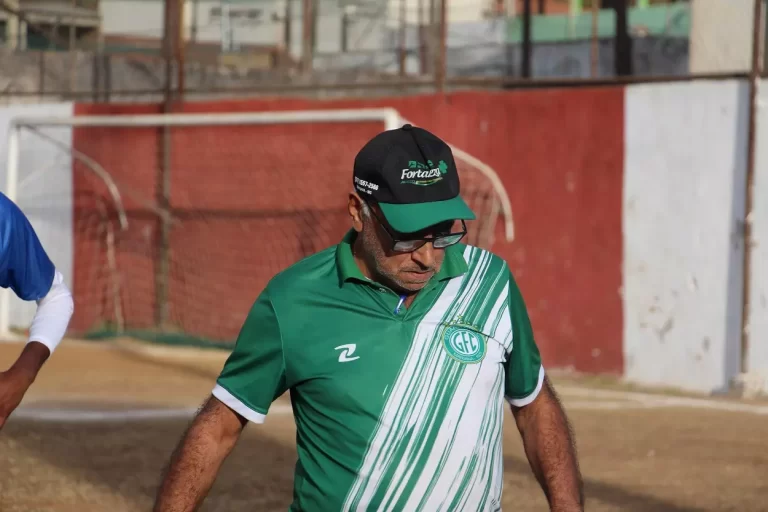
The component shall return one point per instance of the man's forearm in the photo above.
(31, 360)
(550, 448)
(196, 461)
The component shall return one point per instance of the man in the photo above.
(26, 269)
(398, 347)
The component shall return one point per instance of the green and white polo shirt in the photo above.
(396, 410)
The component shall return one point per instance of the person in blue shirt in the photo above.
(26, 269)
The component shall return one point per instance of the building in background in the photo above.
(48, 24)
(352, 40)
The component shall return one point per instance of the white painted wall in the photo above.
(44, 191)
(721, 36)
(757, 355)
(685, 166)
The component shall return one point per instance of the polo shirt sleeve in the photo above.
(524, 370)
(254, 374)
(25, 267)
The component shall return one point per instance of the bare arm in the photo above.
(551, 450)
(196, 461)
(15, 382)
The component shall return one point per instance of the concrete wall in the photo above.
(721, 36)
(685, 161)
(757, 356)
(627, 203)
(563, 175)
(44, 191)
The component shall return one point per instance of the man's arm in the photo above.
(29, 272)
(252, 377)
(551, 450)
(198, 457)
(16, 380)
(48, 328)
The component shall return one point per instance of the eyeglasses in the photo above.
(412, 244)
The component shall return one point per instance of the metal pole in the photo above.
(193, 28)
(754, 80)
(287, 26)
(430, 53)
(306, 38)
(764, 41)
(623, 45)
(527, 46)
(595, 57)
(401, 37)
(441, 59)
(420, 36)
(162, 269)
(180, 47)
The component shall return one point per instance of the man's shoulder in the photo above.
(318, 269)
(481, 260)
(8, 208)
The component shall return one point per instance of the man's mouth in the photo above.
(419, 274)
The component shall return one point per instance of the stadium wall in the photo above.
(757, 357)
(626, 204)
(567, 252)
(685, 169)
(44, 191)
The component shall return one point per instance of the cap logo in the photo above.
(423, 175)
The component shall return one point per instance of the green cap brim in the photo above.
(412, 217)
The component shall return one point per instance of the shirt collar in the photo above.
(454, 264)
(345, 261)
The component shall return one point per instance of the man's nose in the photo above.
(424, 255)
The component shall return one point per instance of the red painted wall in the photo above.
(251, 200)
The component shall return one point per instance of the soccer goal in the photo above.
(178, 221)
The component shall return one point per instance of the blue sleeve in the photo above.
(24, 266)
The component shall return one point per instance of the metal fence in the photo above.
(400, 52)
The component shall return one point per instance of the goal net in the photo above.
(177, 222)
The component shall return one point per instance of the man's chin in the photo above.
(412, 287)
(415, 282)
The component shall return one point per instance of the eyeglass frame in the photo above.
(395, 240)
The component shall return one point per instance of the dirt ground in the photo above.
(639, 453)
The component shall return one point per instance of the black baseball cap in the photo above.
(411, 174)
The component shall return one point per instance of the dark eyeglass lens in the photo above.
(445, 241)
(439, 242)
(408, 245)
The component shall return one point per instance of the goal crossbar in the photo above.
(388, 116)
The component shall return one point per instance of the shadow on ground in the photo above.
(128, 461)
(613, 495)
(122, 465)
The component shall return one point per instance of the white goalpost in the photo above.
(179, 219)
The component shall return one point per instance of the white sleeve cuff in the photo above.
(520, 402)
(236, 405)
(53, 314)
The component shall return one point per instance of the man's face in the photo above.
(401, 271)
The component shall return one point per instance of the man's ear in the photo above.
(355, 209)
